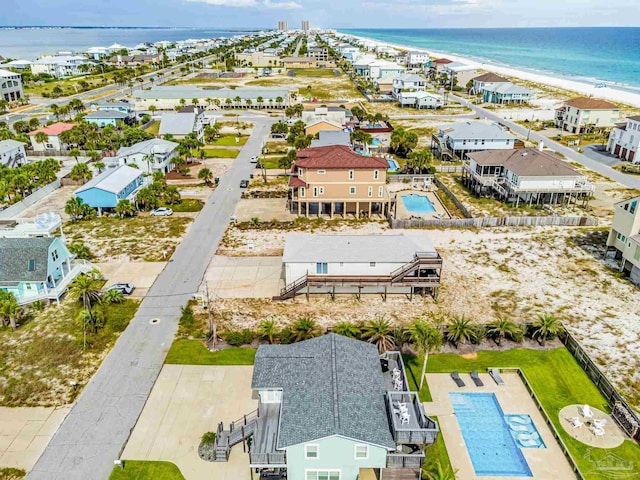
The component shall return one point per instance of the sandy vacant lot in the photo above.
(514, 273)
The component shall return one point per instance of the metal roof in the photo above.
(107, 114)
(476, 131)
(190, 92)
(331, 137)
(155, 145)
(16, 255)
(177, 123)
(331, 385)
(112, 180)
(311, 248)
(9, 145)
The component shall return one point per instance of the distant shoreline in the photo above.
(77, 27)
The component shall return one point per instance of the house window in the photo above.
(322, 475)
(321, 172)
(32, 265)
(636, 255)
(372, 264)
(351, 175)
(361, 452)
(621, 237)
(352, 190)
(634, 205)
(321, 269)
(54, 255)
(370, 191)
(315, 191)
(48, 146)
(300, 171)
(321, 190)
(376, 174)
(380, 191)
(312, 451)
(303, 191)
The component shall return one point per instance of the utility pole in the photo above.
(212, 324)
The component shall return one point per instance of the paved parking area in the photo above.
(141, 274)
(244, 277)
(25, 432)
(265, 209)
(187, 401)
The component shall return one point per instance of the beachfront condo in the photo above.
(583, 115)
(10, 86)
(624, 237)
(453, 142)
(624, 140)
(335, 180)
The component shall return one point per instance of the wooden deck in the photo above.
(263, 448)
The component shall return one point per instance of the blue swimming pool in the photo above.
(491, 446)
(393, 165)
(418, 204)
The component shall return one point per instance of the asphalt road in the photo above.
(96, 430)
(594, 164)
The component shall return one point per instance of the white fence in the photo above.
(484, 222)
(17, 208)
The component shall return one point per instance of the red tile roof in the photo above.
(442, 60)
(296, 182)
(584, 103)
(336, 157)
(54, 128)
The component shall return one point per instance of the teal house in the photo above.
(111, 186)
(331, 408)
(103, 118)
(37, 268)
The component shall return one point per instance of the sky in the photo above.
(222, 14)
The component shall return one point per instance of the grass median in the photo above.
(146, 470)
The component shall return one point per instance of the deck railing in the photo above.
(267, 458)
(404, 460)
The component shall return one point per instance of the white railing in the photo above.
(78, 267)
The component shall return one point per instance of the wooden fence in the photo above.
(488, 222)
(452, 197)
(448, 168)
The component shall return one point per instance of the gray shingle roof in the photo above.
(332, 385)
(330, 137)
(15, 256)
(527, 162)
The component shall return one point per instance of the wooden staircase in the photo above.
(239, 431)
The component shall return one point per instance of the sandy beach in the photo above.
(590, 90)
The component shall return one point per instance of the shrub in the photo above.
(237, 338)
(208, 438)
(286, 336)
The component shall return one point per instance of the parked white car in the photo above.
(162, 212)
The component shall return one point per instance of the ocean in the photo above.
(27, 43)
(590, 54)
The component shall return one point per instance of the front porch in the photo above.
(378, 209)
(56, 284)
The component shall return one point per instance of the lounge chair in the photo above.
(457, 379)
(599, 422)
(519, 420)
(530, 443)
(586, 411)
(597, 431)
(576, 422)
(495, 374)
(519, 428)
(476, 379)
(523, 437)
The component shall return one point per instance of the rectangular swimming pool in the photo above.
(489, 442)
(418, 204)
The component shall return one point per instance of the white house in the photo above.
(488, 78)
(330, 263)
(460, 138)
(625, 139)
(505, 93)
(59, 66)
(180, 124)
(19, 64)
(338, 115)
(420, 100)
(12, 153)
(584, 114)
(526, 175)
(379, 68)
(417, 59)
(408, 82)
(53, 141)
(461, 72)
(155, 155)
(624, 236)
(10, 86)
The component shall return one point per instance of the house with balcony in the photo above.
(335, 180)
(527, 176)
(10, 86)
(60, 66)
(37, 268)
(583, 115)
(111, 186)
(505, 93)
(454, 142)
(416, 59)
(53, 141)
(12, 153)
(420, 100)
(360, 264)
(624, 237)
(484, 80)
(459, 73)
(331, 408)
(155, 155)
(408, 82)
(624, 140)
(436, 67)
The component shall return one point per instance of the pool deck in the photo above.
(544, 463)
(402, 213)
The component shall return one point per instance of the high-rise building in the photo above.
(282, 26)
(305, 25)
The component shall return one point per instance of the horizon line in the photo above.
(237, 28)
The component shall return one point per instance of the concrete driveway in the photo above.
(25, 432)
(141, 274)
(187, 401)
(244, 277)
(594, 153)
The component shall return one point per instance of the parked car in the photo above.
(244, 183)
(125, 288)
(254, 159)
(162, 212)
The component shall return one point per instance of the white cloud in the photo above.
(439, 7)
(282, 5)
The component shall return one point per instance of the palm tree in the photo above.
(268, 329)
(113, 296)
(205, 175)
(85, 288)
(546, 326)
(461, 330)
(304, 328)
(75, 153)
(11, 310)
(426, 338)
(378, 331)
(436, 471)
(501, 328)
(41, 137)
(347, 329)
(125, 208)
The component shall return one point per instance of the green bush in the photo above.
(237, 338)
(208, 438)
(286, 336)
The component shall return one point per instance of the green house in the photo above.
(330, 408)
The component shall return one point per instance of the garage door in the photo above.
(616, 150)
(631, 156)
(623, 155)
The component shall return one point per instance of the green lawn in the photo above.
(216, 153)
(314, 72)
(68, 86)
(230, 141)
(154, 128)
(269, 162)
(185, 205)
(555, 391)
(146, 470)
(193, 352)
(437, 452)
